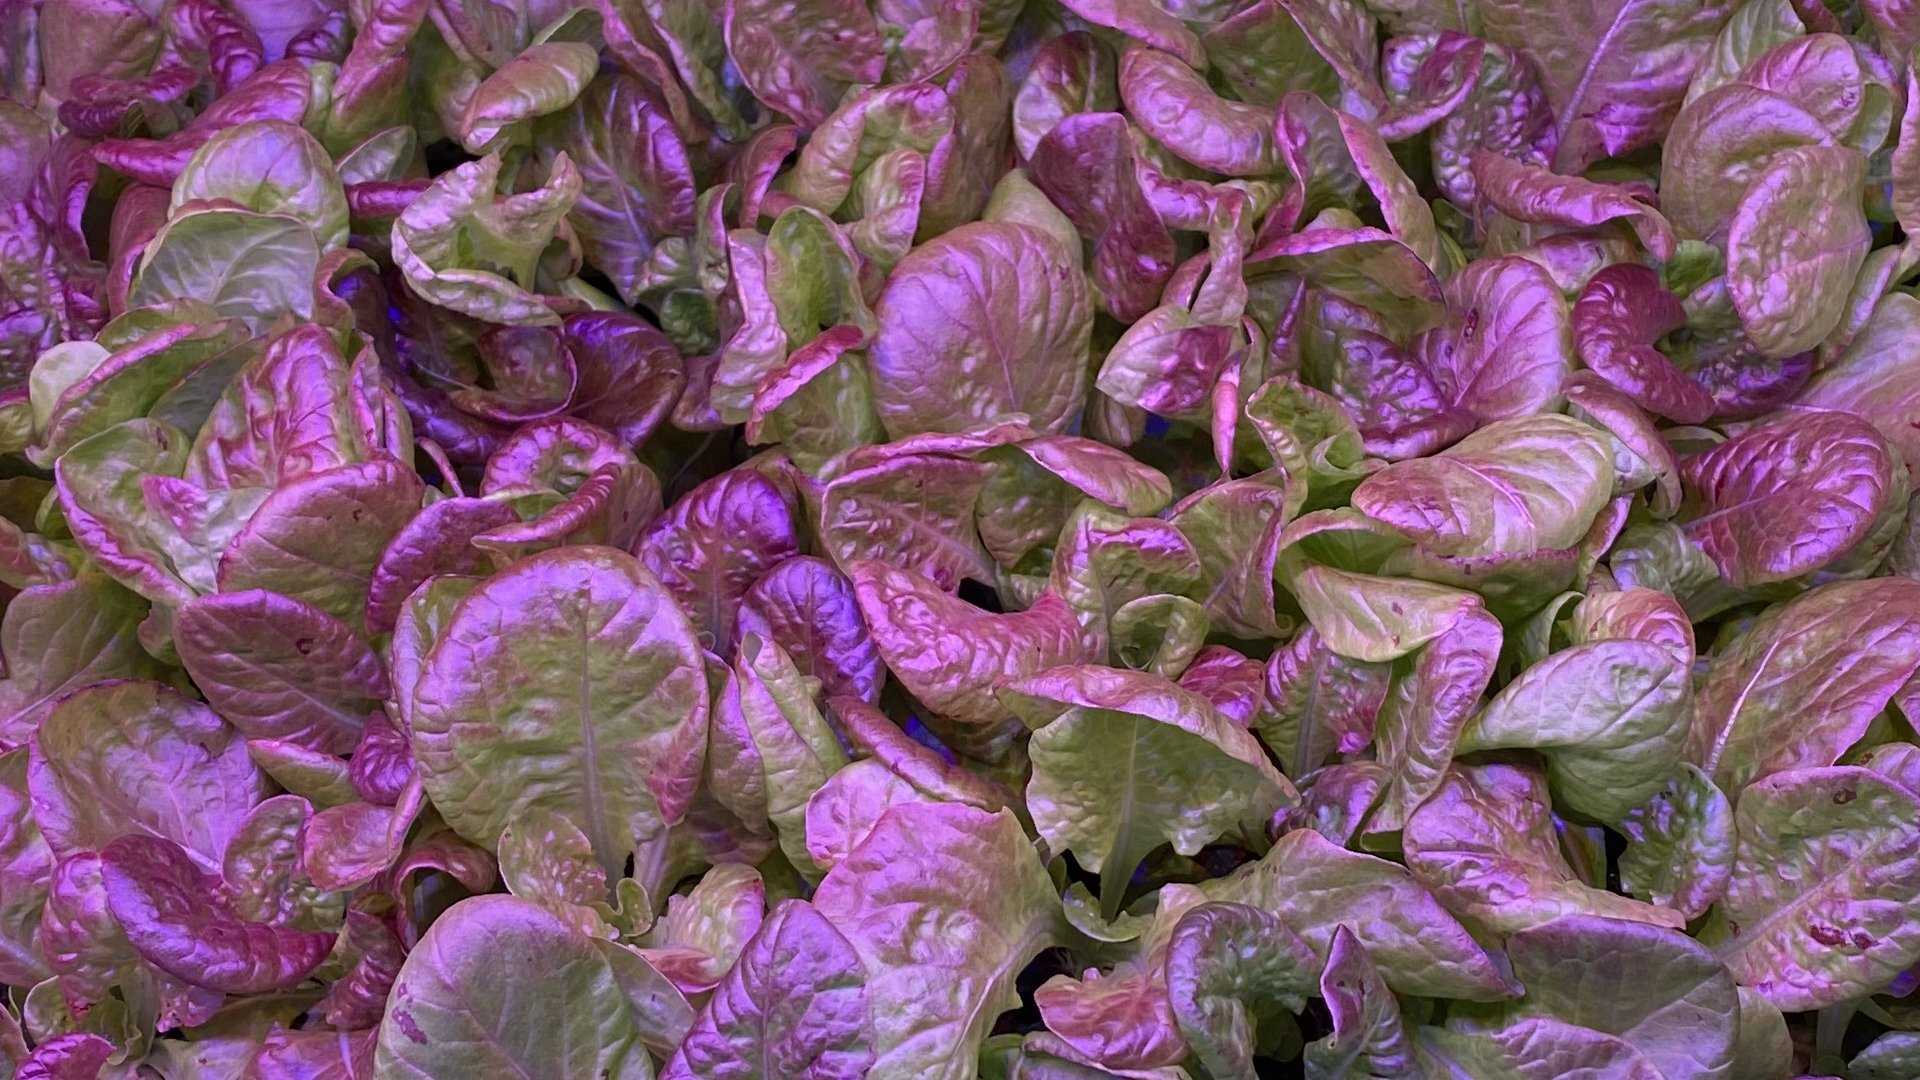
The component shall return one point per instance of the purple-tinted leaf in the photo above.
(434, 246)
(1485, 844)
(108, 39)
(952, 656)
(1169, 768)
(284, 416)
(795, 1004)
(1167, 363)
(1664, 993)
(1788, 272)
(1787, 497)
(938, 776)
(173, 913)
(347, 846)
(62, 637)
(1825, 869)
(1234, 528)
(359, 998)
(715, 542)
(1318, 703)
(122, 758)
(704, 931)
(499, 986)
(924, 37)
(524, 373)
(797, 58)
(1121, 1020)
(277, 668)
(436, 851)
(848, 805)
(543, 79)
(1682, 841)
(820, 403)
(314, 1055)
(1428, 705)
(636, 178)
(1396, 404)
(78, 1055)
(1262, 53)
(1233, 683)
(26, 864)
(985, 322)
(1315, 888)
(1227, 964)
(1620, 316)
(1746, 385)
(630, 375)
(1507, 343)
(261, 873)
(320, 778)
(807, 607)
(1363, 266)
(1720, 144)
(1172, 103)
(592, 683)
(963, 167)
(1086, 166)
(438, 540)
(1105, 562)
(913, 510)
(1530, 194)
(1507, 114)
(382, 763)
(293, 544)
(558, 455)
(770, 744)
(79, 938)
(1367, 1028)
(278, 91)
(1427, 77)
(1072, 73)
(1614, 72)
(1516, 486)
(939, 895)
(1143, 21)
(1610, 717)
(865, 127)
(1823, 73)
(126, 384)
(1806, 679)
(547, 859)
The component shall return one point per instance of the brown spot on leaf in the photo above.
(408, 1025)
(1826, 935)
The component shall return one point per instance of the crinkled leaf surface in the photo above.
(984, 322)
(1315, 888)
(1815, 912)
(1129, 761)
(1486, 844)
(1657, 989)
(572, 682)
(499, 986)
(137, 758)
(944, 905)
(1805, 681)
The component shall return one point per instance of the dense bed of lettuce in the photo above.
(935, 539)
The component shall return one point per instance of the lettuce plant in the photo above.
(959, 539)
